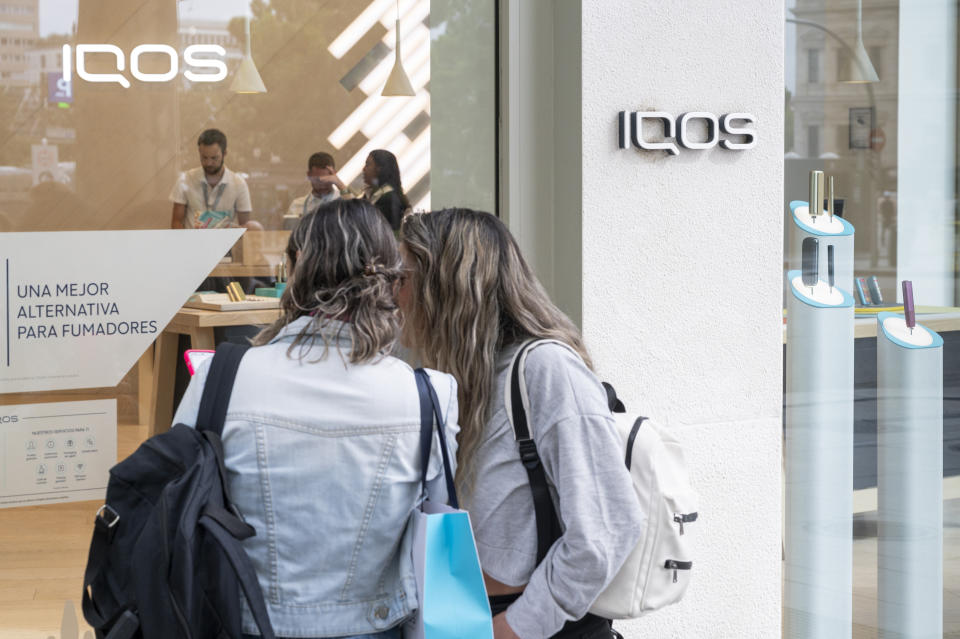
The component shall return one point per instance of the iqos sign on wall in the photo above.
(191, 58)
(731, 131)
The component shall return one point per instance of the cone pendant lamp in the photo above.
(246, 79)
(861, 69)
(398, 83)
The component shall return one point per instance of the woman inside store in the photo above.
(321, 435)
(469, 301)
(382, 186)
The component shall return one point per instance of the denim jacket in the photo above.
(322, 459)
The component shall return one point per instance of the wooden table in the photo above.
(162, 367)
(228, 269)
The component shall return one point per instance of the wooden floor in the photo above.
(43, 551)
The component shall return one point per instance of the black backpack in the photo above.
(166, 559)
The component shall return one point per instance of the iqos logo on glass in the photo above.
(190, 58)
(677, 133)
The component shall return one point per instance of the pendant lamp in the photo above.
(861, 69)
(398, 83)
(246, 79)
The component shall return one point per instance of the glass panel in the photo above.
(100, 139)
(890, 146)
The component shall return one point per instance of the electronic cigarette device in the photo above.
(811, 257)
(831, 201)
(831, 274)
(909, 313)
(862, 291)
(875, 290)
(816, 194)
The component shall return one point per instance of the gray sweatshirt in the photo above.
(591, 488)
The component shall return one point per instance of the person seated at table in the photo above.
(381, 177)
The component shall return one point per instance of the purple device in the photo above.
(908, 310)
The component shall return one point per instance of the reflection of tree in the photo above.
(303, 104)
(289, 40)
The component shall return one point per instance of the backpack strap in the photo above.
(219, 387)
(103, 530)
(430, 410)
(548, 525)
(213, 407)
(616, 406)
(246, 575)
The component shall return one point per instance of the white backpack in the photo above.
(657, 571)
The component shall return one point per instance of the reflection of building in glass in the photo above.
(19, 31)
(848, 130)
(193, 31)
(822, 102)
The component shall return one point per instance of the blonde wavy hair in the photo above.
(345, 266)
(471, 295)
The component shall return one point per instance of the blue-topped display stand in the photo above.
(909, 479)
(818, 459)
(835, 230)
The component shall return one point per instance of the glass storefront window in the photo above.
(98, 140)
(890, 144)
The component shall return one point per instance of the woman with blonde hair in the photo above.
(469, 302)
(321, 436)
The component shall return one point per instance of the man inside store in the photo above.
(322, 191)
(211, 196)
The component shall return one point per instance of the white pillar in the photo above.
(682, 279)
(819, 462)
(909, 480)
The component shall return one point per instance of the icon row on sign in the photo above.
(68, 444)
(61, 469)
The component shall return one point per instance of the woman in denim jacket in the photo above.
(321, 436)
(469, 303)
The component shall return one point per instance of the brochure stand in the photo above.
(835, 230)
(909, 479)
(819, 460)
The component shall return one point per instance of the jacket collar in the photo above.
(334, 330)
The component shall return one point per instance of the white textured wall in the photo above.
(682, 272)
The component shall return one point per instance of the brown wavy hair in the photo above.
(471, 295)
(344, 266)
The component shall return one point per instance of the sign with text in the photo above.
(58, 452)
(677, 132)
(59, 89)
(77, 309)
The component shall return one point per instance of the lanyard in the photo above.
(206, 194)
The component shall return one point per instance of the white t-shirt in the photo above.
(211, 206)
(309, 203)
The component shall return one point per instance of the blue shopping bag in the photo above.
(452, 597)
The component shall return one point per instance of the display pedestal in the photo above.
(909, 480)
(819, 461)
(838, 232)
